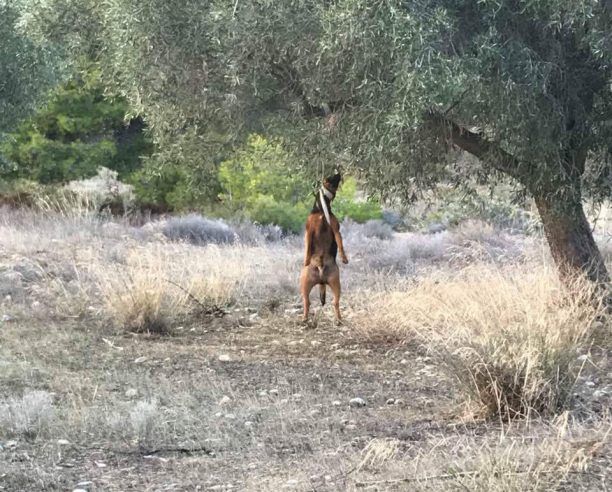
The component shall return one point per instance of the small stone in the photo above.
(292, 483)
(263, 393)
(390, 401)
(296, 396)
(7, 318)
(252, 466)
(399, 402)
(63, 442)
(219, 414)
(357, 402)
(336, 403)
(10, 444)
(86, 483)
(248, 424)
(230, 416)
(225, 358)
(131, 393)
(590, 384)
(315, 343)
(140, 360)
(327, 478)
(274, 391)
(598, 394)
(403, 361)
(225, 400)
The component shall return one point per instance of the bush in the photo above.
(266, 210)
(258, 183)
(372, 228)
(29, 415)
(156, 288)
(77, 131)
(509, 341)
(198, 230)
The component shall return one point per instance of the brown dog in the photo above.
(322, 242)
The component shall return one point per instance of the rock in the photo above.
(225, 400)
(599, 394)
(230, 416)
(10, 444)
(63, 442)
(336, 403)
(399, 402)
(436, 228)
(140, 360)
(357, 402)
(7, 318)
(390, 401)
(131, 393)
(263, 393)
(224, 358)
(273, 391)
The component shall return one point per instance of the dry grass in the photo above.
(509, 338)
(156, 287)
(256, 401)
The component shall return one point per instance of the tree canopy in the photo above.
(386, 87)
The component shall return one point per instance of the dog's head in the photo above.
(332, 183)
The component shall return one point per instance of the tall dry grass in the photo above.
(155, 286)
(510, 338)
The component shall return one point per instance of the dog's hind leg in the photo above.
(322, 294)
(334, 283)
(306, 284)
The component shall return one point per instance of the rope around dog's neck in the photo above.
(323, 192)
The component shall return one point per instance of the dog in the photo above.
(322, 241)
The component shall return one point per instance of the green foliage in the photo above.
(346, 205)
(27, 70)
(75, 133)
(259, 181)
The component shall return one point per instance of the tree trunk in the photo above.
(570, 238)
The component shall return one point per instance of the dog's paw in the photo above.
(345, 260)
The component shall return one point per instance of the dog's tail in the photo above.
(322, 293)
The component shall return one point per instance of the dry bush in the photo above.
(510, 339)
(159, 285)
(29, 415)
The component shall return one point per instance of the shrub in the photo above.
(371, 229)
(144, 419)
(77, 131)
(266, 210)
(198, 230)
(29, 415)
(156, 288)
(510, 341)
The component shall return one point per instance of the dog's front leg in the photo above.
(307, 246)
(338, 238)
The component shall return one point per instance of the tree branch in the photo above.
(476, 144)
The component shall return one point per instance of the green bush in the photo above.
(75, 133)
(260, 183)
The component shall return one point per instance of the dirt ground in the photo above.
(251, 399)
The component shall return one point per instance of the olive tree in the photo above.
(391, 87)
(27, 70)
